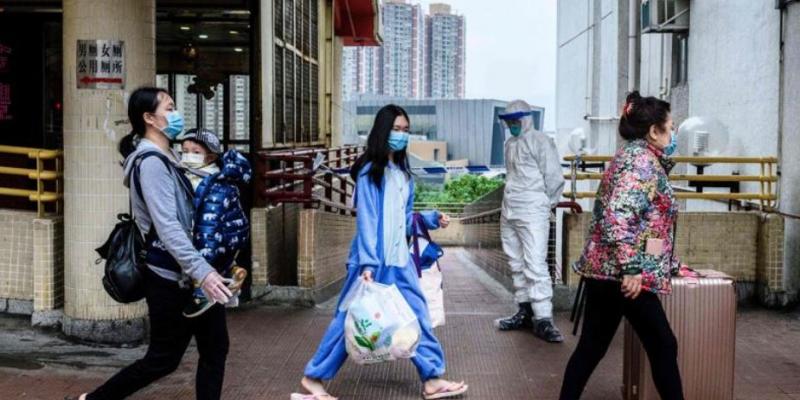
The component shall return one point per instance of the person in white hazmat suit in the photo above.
(534, 182)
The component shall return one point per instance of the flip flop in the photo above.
(446, 392)
(303, 396)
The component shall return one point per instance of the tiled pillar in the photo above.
(48, 271)
(93, 190)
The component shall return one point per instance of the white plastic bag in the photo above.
(431, 284)
(380, 325)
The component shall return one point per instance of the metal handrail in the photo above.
(686, 159)
(455, 210)
(39, 174)
(768, 180)
(286, 176)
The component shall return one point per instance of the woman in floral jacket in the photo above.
(628, 257)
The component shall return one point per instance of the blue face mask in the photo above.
(673, 144)
(515, 130)
(174, 125)
(398, 140)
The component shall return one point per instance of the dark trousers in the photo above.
(605, 307)
(170, 333)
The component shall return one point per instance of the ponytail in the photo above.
(143, 100)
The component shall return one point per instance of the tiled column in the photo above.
(93, 190)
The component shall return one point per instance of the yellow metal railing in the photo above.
(39, 174)
(768, 180)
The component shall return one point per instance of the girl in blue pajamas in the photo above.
(384, 197)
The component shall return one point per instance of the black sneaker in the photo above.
(545, 330)
(523, 319)
(199, 304)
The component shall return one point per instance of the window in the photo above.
(435, 154)
(186, 102)
(296, 98)
(227, 113)
(680, 58)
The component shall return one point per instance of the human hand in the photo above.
(367, 276)
(632, 286)
(215, 288)
(444, 220)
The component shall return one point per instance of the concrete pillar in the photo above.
(93, 188)
(790, 157)
(336, 124)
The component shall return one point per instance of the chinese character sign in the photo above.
(101, 64)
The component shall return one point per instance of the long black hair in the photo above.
(143, 100)
(640, 113)
(377, 152)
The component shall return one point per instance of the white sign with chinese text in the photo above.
(101, 64)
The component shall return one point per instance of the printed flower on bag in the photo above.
(363, 341)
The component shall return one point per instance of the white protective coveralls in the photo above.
(534, 183)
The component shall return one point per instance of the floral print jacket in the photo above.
(634, 203)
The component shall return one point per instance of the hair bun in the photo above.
(632, 96)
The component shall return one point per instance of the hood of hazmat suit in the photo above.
(534, 177)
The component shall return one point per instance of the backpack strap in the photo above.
(138, 185)
(137, 164)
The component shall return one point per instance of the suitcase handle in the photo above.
(691, 280)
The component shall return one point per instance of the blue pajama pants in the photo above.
(331, 354)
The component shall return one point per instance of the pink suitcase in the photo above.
(702, 313)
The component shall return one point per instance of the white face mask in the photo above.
(193, 160)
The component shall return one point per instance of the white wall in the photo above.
(734, 74)
(579, 66)
(572, 66)
(790, 179)
(656, 54)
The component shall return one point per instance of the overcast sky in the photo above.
(511, 50)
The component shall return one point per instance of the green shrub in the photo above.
(462, 189)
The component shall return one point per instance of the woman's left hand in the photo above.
(632, 286)
(444, 220)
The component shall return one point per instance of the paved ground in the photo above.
(271, 345)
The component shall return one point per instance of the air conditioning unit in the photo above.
(660, 16)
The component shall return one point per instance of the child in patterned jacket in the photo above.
(221, 228)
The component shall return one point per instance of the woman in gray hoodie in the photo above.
(161, 200)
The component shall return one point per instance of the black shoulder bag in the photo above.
(124, 250)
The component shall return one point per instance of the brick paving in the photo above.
(271, 345)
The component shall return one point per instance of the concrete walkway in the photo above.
(271, 345)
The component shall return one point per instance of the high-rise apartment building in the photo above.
(395, 69)
(402, 66)
(445, 53)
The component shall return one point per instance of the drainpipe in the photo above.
(781, 90)
(634, 44)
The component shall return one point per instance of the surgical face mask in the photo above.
(193, 160)
(398, 140)
(673, 144)
(174, 125)
(515, 130)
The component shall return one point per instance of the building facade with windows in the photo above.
(397, 67)
(470, 128)
(735, 63)
(262, 74)
(422, 56)
(445, 67)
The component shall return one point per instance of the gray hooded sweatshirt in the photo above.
(168, 208)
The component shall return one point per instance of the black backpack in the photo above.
(124, 250)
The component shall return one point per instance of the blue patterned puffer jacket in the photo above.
(221, 227)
